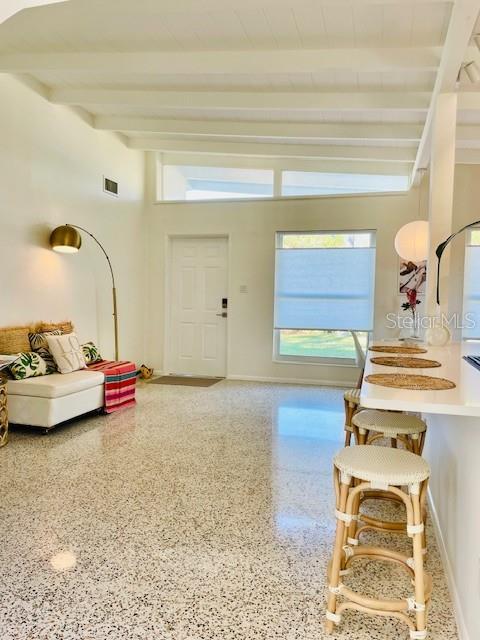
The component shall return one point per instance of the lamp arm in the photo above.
(441, 248)
(114, 291)
(75, 226)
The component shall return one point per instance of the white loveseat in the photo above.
(49, 400)
(46, 401)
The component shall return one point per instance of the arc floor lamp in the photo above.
(67, 239)
(441, 248)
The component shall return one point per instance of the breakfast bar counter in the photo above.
(463, 400)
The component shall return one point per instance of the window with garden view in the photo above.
(324, 295)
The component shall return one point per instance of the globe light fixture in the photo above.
(411, 241)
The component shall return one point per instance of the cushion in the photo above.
(381, 465)
(56, 385)
(28, 365)
(91, 353)
(64, 327)
(14, 340)
(39, 340)
(67, 352)
(45, 354)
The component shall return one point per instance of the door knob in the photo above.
(224, 314)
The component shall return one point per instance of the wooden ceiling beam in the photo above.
(375, 154)
(285, 61)
(264, 129)
(244, 100)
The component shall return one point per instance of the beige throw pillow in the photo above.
(67, 352)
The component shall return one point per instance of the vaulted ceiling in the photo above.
(351, 81)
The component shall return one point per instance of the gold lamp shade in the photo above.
(65, 239)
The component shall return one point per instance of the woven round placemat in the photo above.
(400, 349)
(405, 362)
(410, 381)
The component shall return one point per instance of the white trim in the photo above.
(368, 153)
(284, 164)
(452, 587)
(346, 363)
(364, 194)
(317, 383)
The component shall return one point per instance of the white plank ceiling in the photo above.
(341, 79)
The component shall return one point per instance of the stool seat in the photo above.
(352, 395)
(389, 423)
(382, 465)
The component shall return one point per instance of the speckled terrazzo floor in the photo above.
(200, 514)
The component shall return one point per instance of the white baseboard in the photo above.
(317, 383)
(457, 604)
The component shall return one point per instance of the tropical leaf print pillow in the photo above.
(46, 355)
(28, 365)
(39, 340)
(91, 353)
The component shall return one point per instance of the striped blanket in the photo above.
(120, 380)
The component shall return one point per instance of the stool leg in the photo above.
(353, 526)
(422, 441)
(423, 508)
(415, 444)
(362, 436)
(349, 413)
(419, 580)
(337, 553)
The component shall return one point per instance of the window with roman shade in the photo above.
(324, 284)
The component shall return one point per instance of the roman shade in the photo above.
(327, 288)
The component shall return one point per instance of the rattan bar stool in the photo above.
(372, 425)
(362, 468)
(351, 399)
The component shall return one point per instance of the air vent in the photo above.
(110, 186)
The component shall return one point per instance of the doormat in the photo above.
(186, 381)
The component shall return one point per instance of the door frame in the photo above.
(169, 239)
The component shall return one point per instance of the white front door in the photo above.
(197, 340)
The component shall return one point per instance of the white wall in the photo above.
(251, 227)
(51, 168)
(453, 443)
(452, 449)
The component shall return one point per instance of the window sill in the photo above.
(320, 362)
(276, 198)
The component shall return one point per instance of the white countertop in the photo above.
(464, 400)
